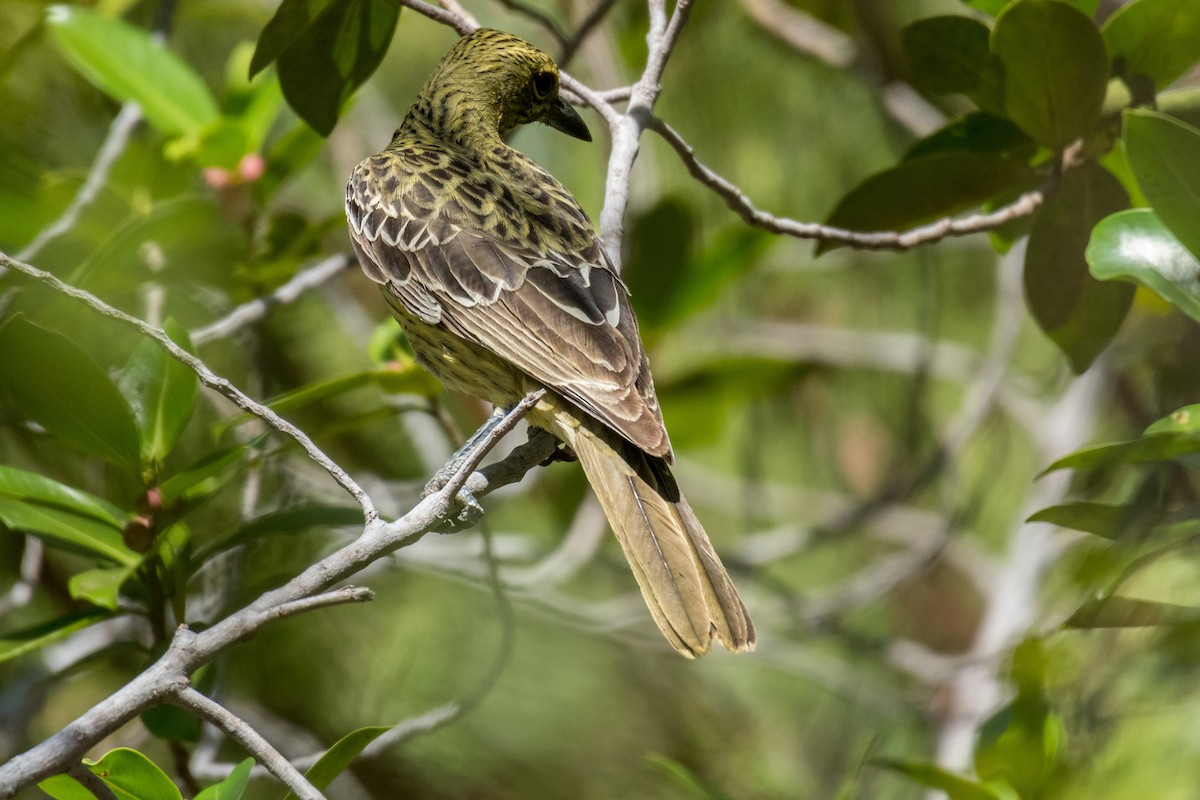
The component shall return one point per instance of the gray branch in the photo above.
(251, 740)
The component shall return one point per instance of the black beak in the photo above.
(562, 117)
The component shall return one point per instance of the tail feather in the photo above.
(687, 589)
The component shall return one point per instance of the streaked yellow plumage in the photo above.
(502, 286)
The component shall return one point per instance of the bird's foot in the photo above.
(469, 513)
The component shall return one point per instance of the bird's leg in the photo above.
(471, 509)
(455, 462)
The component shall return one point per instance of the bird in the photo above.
(503, 286)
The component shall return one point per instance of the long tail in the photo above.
(690, 595)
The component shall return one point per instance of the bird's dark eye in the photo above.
(543, 84)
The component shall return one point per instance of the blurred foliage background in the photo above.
(864, 435)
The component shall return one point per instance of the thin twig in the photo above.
(547, 22)
(586, 26)
(251, 740)
(207, 377)
(114, 144)
(627, 129)
(737, 200)
(498, 432)
(254, 310)
(462, 22)
(454, 7)
(341, 596)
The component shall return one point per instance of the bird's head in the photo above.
(491, 78)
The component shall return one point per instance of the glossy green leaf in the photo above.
(1128, 612)
(1155, 39)
(40, 490)
(18, 643)
(1055, 69)
(59, 386)
(232, 787)
(1157, 447)
(128, 64)
(161, 391)
(205, 476)
(100, 587)
(65, 528)
(133, 776)
(290, 21)
(926, 189)
(950, 54)
(955, 786)
(324, 51)
(64, 787)
(1184, 421)
(1101, 519)
(1080, 314)
(1136, 245)
(977, 132)
(1164, 154)
(337, 758)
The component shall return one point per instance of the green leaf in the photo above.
(26, 640)
(1128, 612)
(161, 391)
(128, 64)
(955, 786)
(59, 386)
(66, 528)
(1164, 154)
(40, 490)
(203, 477)
(232, 787)
(1184, 421)
(1080, 314)
(949, 54)
(132, 776)
(1101, 519)
(1156, 447)
(976, 132)
(925, 189)
(1155, 39)
(101, 586)
(1055, 69)
(64, 787)
(338, 757)
(325, 50)
(1136, 245)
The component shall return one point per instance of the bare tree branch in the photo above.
(237, 729)
(737, 200)
(207, 377)
(627, 129)
(254, 310)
